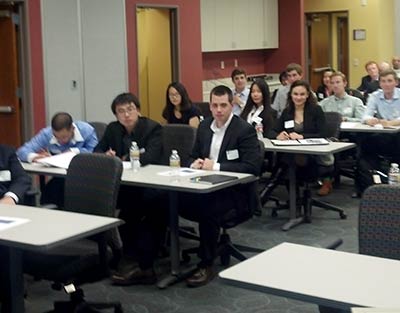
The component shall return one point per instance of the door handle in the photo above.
(6, 109)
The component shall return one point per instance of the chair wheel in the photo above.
(225, 259)
(274, 213)
(185, 257)
(343, 216)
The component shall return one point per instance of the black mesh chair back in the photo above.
(180, 137)
(204, 108)
(379, 222)
(92, 184)
(99, 128)
(332, 124)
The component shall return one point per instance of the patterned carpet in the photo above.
(217, 297)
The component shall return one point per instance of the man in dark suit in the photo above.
(14, 182)
(224, 142)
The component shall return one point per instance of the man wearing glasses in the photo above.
(143, 209)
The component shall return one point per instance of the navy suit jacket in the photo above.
(12, 176)
(239, 136)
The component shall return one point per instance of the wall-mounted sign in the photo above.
(359, 34)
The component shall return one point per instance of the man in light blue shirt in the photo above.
(351, 108)
(384, 103)
(383, 110)
(240, 91)
(63, 135)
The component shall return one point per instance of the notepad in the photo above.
(61, 160)
(212, 179)
(300, 142)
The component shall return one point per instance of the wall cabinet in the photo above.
(239, 25)
(85, 61)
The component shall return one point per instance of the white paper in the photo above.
(314, 141)
(183, 171)
(61, 160)
(277, 142)
(7, 222)
(349, 124)
(126, 165)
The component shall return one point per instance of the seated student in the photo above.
(63, 135)
(302, 118)
(294, 73)
(351, 108)
(370, 82)
(383, 108)
(240, 91)
(283, 81)
(14, 182)
(324, 90)
(228, 143)
(179, 108)
(257, 110)
(143, 209)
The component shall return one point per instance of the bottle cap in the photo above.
(174, 151)
(394, 164)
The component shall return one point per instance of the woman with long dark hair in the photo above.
(257, 110)
(179, 108)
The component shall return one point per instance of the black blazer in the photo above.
(239, 136)
(314, 122)
(368, 85)
(10, 167)
(147, 134)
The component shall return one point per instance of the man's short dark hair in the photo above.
(294, 67)
(238, 71)
(60, 121)
(124, 98)
(387, 73)
(220, 91)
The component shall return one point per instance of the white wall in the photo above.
(84, 43)
(397, 27)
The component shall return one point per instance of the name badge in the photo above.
(5, 175)
(320, 95)
(257, 119)
(289, 124)
(232, 154)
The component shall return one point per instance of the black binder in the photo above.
(213, 179)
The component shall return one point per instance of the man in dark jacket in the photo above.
(224, 142)
(144, 210)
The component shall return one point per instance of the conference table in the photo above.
(357, 127)
(38, 229)
(330, 148)
(160, 177)
(325, 277)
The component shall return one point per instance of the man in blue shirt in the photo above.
(63, 135)
(383, 110)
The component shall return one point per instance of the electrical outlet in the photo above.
(222, 65)
(356, 62)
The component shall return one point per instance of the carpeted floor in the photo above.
(216, 297)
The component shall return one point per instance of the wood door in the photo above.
(10, 120)
(319, 50)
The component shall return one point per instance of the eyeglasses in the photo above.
(174, 95)
(129, 110)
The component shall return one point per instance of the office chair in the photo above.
(204, 108)
(378, 225)
(309, 174)
(332, 131)
(99, 128)
(226, 248)
(91, 187)
(180, 137)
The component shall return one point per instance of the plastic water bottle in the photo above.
(394, 174)
(175, 163)
(134, 155)
(259, 130)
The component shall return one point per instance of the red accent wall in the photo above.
(190, 58)
(36, 60)
(291, 48)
